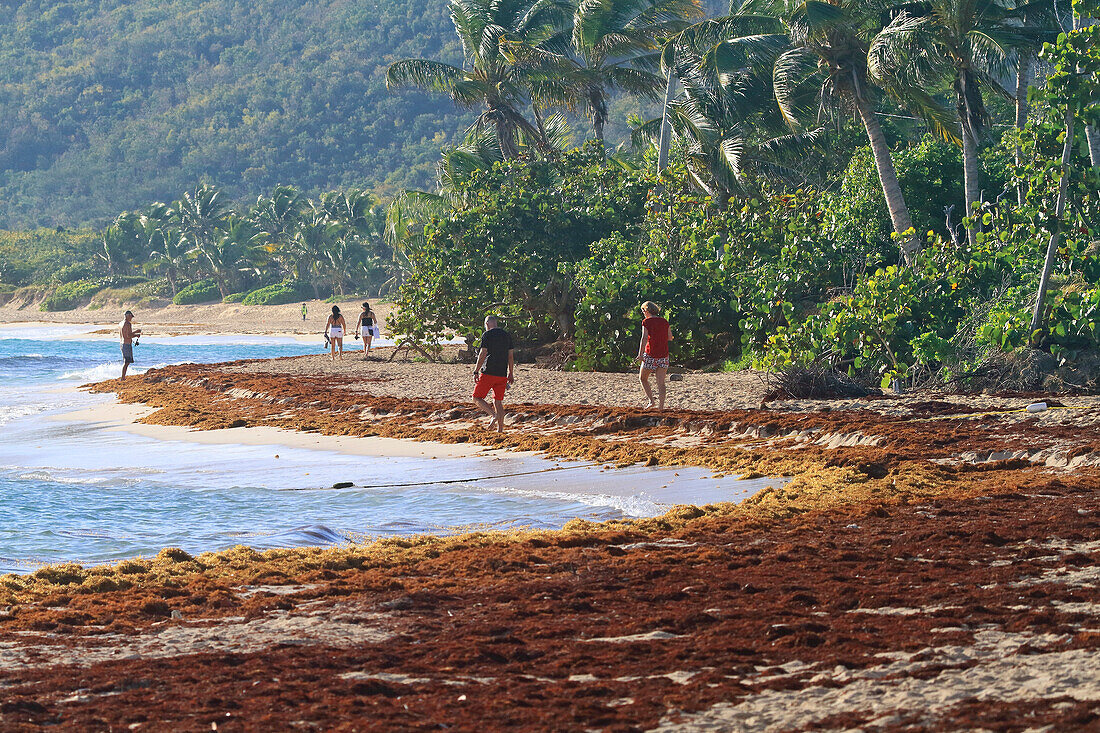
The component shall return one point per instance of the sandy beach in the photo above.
(162, 319)
(932, 563)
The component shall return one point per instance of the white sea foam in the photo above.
(14, 412)
(632, 505)
(99, 372)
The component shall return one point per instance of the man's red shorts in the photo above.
(488, 381)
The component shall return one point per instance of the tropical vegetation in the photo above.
(895, 190)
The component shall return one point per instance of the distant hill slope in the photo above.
(107, 105)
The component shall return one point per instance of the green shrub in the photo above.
(620, 277)
(72, 273)
(235, 297)
(277, 294)
(203, 291)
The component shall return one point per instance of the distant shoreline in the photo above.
(207, 318)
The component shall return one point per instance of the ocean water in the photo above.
(85, 492)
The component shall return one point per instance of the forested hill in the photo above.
(107, 105)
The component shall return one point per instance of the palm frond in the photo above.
(424, 73)
(791, 69)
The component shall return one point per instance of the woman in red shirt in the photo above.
(653, 352)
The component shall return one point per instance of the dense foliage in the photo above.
(508, 244)
(108, 105)
(845, 189)
(200, 249)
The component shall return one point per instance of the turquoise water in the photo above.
(84, 492)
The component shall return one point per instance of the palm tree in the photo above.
(275, 219)
(830, 43)
(492, 81)
(122, 243)
(973, 42)
(342, 259)
(230, 253)
(200, 217)
(616, 45)
(727, 120)
(312, 237)
(167, 250)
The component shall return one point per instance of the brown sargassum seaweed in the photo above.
(906, 529)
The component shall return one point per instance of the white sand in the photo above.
(998, 675)
(332, 626)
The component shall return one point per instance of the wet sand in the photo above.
(933, 563)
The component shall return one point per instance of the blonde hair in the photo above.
(651, 308)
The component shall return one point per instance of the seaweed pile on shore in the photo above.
(933, 562)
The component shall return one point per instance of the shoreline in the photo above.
(107, 331)
(120, 417)
(198, 319)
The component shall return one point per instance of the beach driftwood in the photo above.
(408, 345)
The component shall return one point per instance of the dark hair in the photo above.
(335, 310)
(366, 305)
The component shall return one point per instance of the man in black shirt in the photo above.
(497, 356)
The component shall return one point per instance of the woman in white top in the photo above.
(365, 326)
(334, 329)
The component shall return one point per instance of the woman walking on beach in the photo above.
(334, 329)
(653, 352)
(365, 326)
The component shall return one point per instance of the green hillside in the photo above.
(108, 105)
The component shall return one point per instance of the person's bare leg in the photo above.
(366, 346)
(485, 407)
(125, 366)
(643, 377)
(661, 387)
(499, 404)
(340, 343)
(332, 349)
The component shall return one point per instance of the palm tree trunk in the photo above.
(1093, 137)
(666, 122)
(172, 281)
(223, 288)
(971, 180)
(1059, 208)
(506, 136)
(888, 178)
(538, 119)
(1023, 80)
(599, 112)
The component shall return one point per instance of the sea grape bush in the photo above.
(276, 294)
(203, 291)
(508, 243)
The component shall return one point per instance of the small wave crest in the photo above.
(14, 412)
(633, 505)
(37, 361)
(310, 535)
(100, 372)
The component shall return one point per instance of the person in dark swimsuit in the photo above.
(365, 327)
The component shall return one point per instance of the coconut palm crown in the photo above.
(492, 80)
